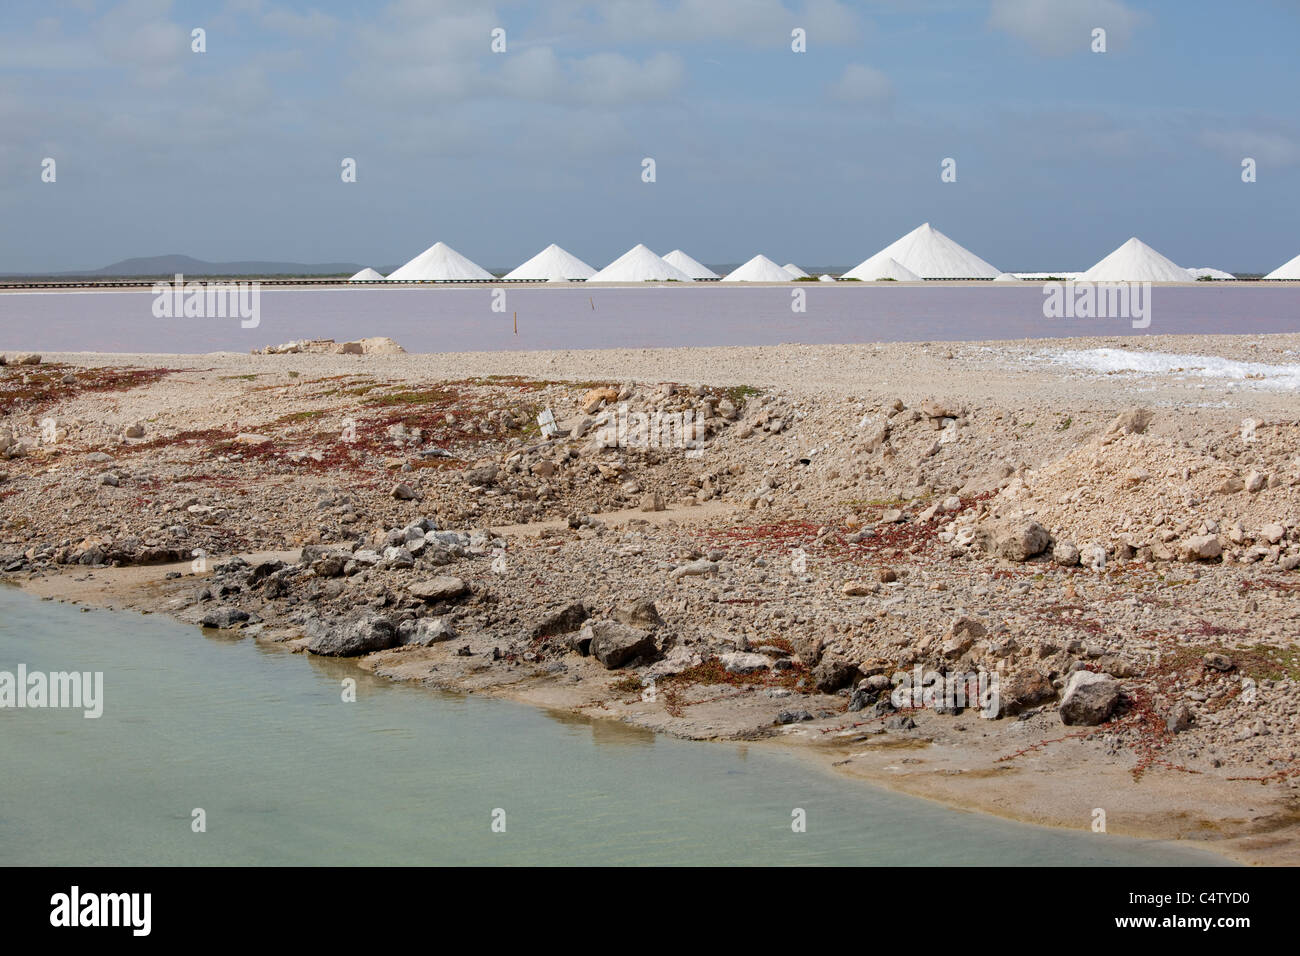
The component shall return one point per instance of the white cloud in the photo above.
(1267, 147)
(539, 73)
(313, 24)
(862, 84)
(759, 23)
(436, 52)
(613, 78)
(1060, 27)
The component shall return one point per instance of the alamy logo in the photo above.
(624, 429)
(1098, 300)
(926, 688)
(58, 689)
(209, 300)
(74, 909)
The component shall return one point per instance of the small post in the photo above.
(516, 323)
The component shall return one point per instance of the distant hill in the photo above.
(151, 266)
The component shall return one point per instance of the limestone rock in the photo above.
(1021, 539)
(615, 644)
(442, 588)
(741, 662)
(1131, 422)
(962, 635)
(426, 631)
(1089, 699)
(1201, 547)
(1066, 554)
(640, 613)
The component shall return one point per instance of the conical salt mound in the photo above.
(1135, 261)
(880, 267)
(688, 265)
(366, 275)
(440, 262)
(1208, 273)
(1006, 277)
(795, 271)
(1290, 270)
(928, 254)
(639, 264)
(759, 269)
(552, 263)
(825, 277)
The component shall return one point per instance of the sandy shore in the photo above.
(908, 476)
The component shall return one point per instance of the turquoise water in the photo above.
(288, 773)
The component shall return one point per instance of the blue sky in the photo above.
(820, 157)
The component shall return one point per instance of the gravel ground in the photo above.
(1116, 553)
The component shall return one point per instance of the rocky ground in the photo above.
(1117, 557)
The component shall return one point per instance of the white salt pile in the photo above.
(1135, 261)
(878, 268)
(758, 269)
(1210, 367)
(825, 277)
(554, 265)
(639, 264)
(1208, 273)
(928, 254)
(692, 268)
(1288, 270)
(367, 275)
(1006, 277)
(440, 263)
(795, 271)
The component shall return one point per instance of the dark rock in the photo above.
(580, 641)
(264, 569)
(615, 644)
(329, 565)
(363, 634)
(566, 619)
(834, 673)
(793, 716)
(881, 708)
(312, 553)
(1022, 690)
(224, 617)
(863, 698)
